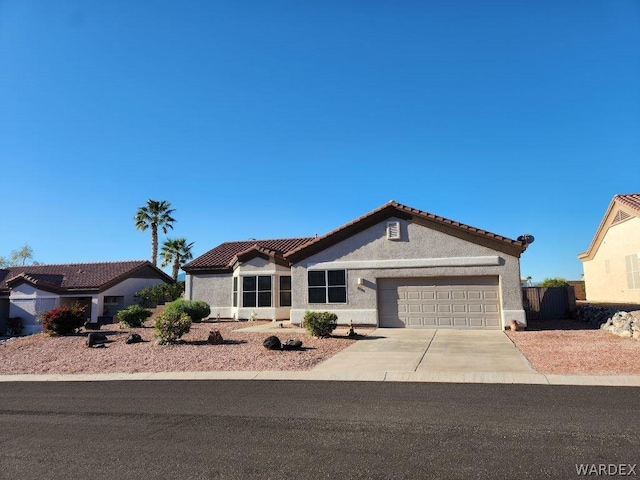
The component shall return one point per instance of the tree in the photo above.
(176, 252)
(21, 257)
(154, 215)
(554, 282)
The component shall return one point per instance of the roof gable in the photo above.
(397, 210)
(622, 208)
(78, 276)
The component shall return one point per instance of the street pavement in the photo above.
(308, 430)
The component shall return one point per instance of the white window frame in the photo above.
(327, 286)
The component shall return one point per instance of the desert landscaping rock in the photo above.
(215, 337)
(133, 338)
(95, 339)
(292, 344)
(272, 343)
(623, 324)
(242, 351)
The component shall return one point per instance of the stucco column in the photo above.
(94, 308)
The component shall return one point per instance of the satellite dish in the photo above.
(526, 239)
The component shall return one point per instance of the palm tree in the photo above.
(155, 214)
(176, 251)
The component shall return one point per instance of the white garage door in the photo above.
(439, 302)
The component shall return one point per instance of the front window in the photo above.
(327, 286)
(285, 291)
(632, 263)
(256, 291)
(235, 291)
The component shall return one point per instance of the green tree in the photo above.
(155, 215)
(554, 282)
(176, 252)
(21, 257)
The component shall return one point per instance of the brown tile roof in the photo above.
(75, 276)
(396, 209)
(225, 255)
(631, 200)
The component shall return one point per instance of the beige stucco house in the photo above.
(612, 262)
(102, 288)
(396, 266)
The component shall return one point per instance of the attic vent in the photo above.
(393, 230)
(620, 216)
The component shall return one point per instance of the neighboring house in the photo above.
(393, 267)
(612, 262)
(103, 288)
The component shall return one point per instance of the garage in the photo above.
(443, 302)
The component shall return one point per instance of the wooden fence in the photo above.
(548, 303)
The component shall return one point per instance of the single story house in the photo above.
(396, 266)
(612, 262)
(103, 288)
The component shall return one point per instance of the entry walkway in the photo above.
(433, 351)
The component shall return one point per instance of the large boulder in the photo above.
(623, 324)
(272, 343)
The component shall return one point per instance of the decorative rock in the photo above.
(272, 343)
(133, 338)
(94, 339)
(215, 338)
(92, 325)
(622, 324)
(292, 345)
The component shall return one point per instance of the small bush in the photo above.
(63, 320)
(196, 309)
(133, 316)
(171, 326)
(161, 293)
(554, 282)
(320, 324)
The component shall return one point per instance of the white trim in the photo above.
(345, 315)
(490, 260)
(248, 273)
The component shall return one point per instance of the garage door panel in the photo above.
(439, 302)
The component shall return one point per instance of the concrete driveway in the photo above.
(426, 350)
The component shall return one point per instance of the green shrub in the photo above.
(63, 320)
(554, 282)
(161, 293)
(14, 326)
(172, 325)
(133, 316)
(196, 309)
(320, 324)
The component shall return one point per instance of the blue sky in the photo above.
(267, 119)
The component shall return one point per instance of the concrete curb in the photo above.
(427, 377)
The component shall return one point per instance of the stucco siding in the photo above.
(127, 289)
(605, 274)
(369, 255)
(215, 289)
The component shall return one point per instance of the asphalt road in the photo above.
(289, 429)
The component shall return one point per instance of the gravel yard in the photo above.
(568, 347)
(38, 354)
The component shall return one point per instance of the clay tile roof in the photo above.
(73, 276)
(631, 200)
(224, 255)
(389, 209)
